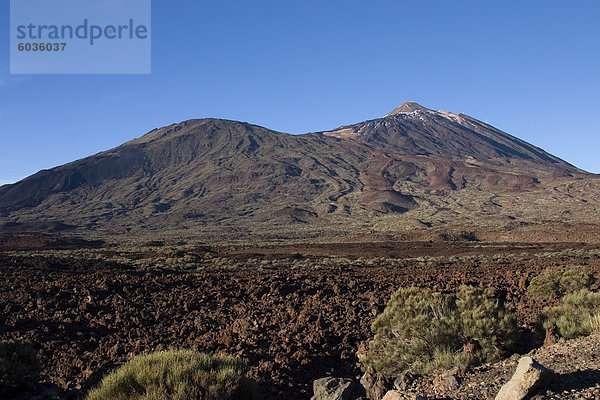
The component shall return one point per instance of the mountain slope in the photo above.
(412, 169)
(415, 130)
(196, 170)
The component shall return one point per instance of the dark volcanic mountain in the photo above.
(414, 170)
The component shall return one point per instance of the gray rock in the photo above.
(332, 389)
(445, 383)
(404, 381)
(375, 385)
(529, 377)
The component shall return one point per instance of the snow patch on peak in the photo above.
(407, 107)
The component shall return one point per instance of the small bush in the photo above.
(575, 316)
(176, 375)
(484, 320)
(555, 283)
(426, 331)
(19, 366)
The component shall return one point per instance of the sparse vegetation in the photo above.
(576, 316)
(556, 282)
(128, 287)
(425, 331)
(176, 375)
(19, 366)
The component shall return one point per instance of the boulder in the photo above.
(529, 377)
(332, 389)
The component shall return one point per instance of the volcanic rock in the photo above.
(529, 377)
(332, 389)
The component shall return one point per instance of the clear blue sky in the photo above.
(530, 68)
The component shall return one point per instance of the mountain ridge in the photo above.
(414, 168)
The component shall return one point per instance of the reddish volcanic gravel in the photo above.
(293, 325)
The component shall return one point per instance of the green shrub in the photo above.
(426, 331)
(176, 375)
(485, 321)
(555, 283)
(19, 366)
(575, 316)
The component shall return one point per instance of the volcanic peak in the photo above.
(406, 108)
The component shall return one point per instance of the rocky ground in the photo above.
(295, 314)
(576, 364)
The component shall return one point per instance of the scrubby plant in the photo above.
(485, 321)
(575, 316)
(426, 331)
(19, 366)
(553, 283)
(177, 375)
(414, 323)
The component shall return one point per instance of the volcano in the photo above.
(414, 173)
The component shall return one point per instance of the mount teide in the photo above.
(413, 174)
